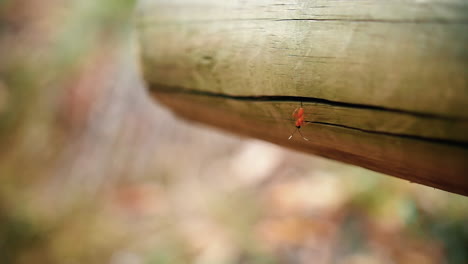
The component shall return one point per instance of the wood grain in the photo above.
(384, 84)
(409, 55)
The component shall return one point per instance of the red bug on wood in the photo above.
(298, 114)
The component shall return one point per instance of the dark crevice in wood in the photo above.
(415, 137)
(453, 143)
(287, 98)
(339, 20)
(388, 21)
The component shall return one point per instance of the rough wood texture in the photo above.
(384, 83)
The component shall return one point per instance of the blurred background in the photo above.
(94, 171)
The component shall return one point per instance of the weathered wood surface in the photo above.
(384, 83)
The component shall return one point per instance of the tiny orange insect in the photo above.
(298, 114)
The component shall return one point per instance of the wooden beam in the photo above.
(384, 84)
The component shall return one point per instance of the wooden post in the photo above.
(384, 84)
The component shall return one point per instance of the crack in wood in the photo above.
(144, 22)
(283, 98)
(415, 137)
(454, 143)
(371, 20)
